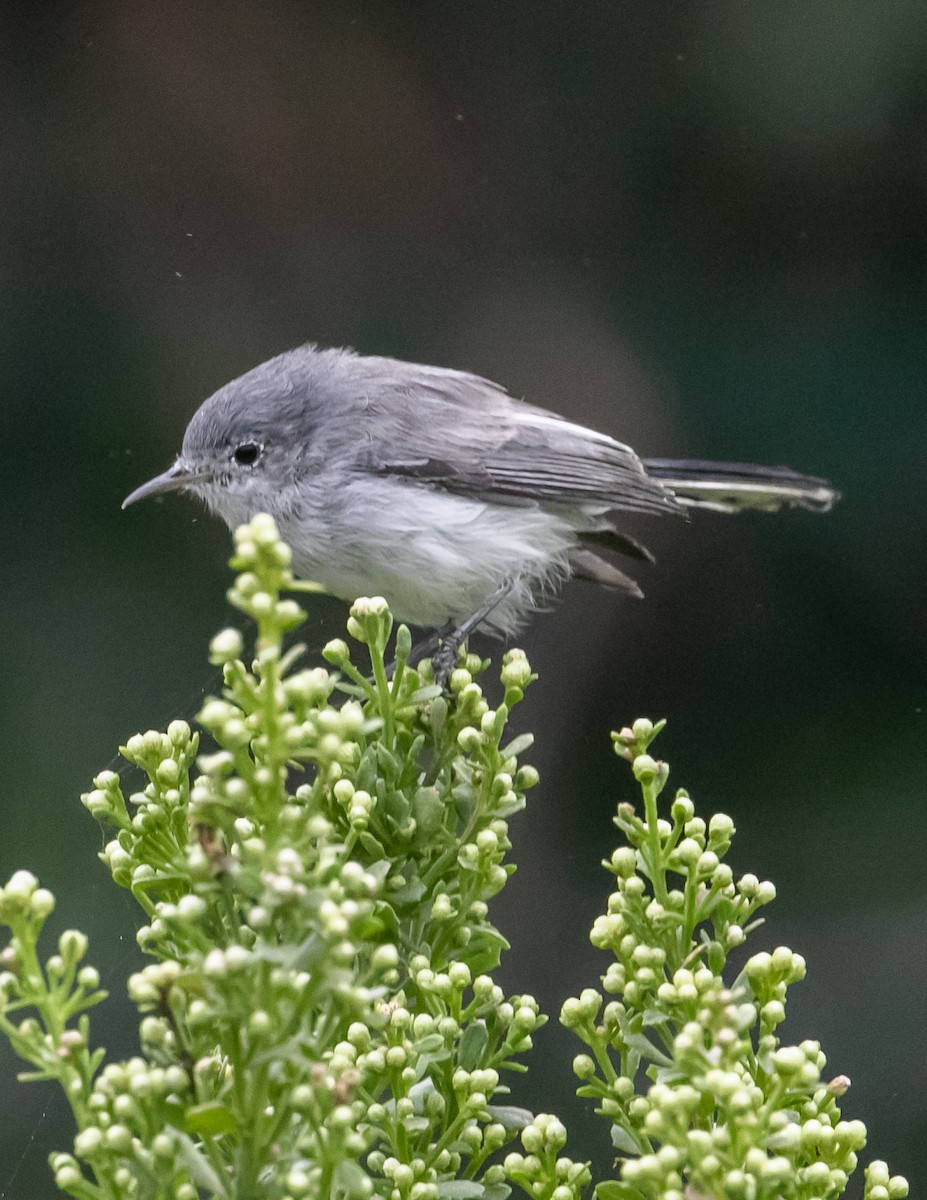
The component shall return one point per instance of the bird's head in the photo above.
(244, 446)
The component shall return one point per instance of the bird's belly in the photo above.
(434, 556)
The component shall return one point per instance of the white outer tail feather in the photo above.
(733, 487)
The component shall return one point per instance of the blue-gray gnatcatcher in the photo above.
(436, 489)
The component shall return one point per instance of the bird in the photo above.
(462, 505)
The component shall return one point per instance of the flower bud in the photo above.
(336, 652)
(526, 778)
(644, 768)
(773, 1012)
(459, 974)
(788, 1060)
(118, 1138)
(682, 809)
(687, 853)
(583, 1066)
(42, 903)
(21, 885)
(516, 671)
(469, 739)
(88, 1142)
(624, 861)
(759, 966)
(384, 958)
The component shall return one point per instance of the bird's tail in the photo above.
(733, 487)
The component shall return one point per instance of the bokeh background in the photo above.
(699, 226)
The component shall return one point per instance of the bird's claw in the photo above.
(444, 660)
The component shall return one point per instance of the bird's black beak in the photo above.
(174, 479)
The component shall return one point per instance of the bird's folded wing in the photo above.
(523, 456)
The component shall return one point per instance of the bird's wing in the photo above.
(471, 438)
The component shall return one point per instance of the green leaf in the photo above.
(419, 1092)
(472, 1047)
(484, 960)
(438, 714)
(504, 811)
(350, 1179)
(512, 1064)
(390, 767)
(396, 807)
(465, 798)
(646, 1049)
(371, 845)
(497, 1191)
(623, 1141)
(614, 1189)
(423, 1065)
(510, 1116)
(409, 893)
(741, 988)
(518, 745)
(201, 1170)
(429, 1045)
(489, 934)
(428, 809)
(669, 1075)
(461, 1189)
(366, 777)
(210, 1119)
(379, 870)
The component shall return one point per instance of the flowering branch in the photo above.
(703, 1098)
(319, 1016)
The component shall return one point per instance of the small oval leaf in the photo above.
(623, 1142)
(210, 1119)
(472, 1046)
(510, 1116)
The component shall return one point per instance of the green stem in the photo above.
(691, 912)
(276, 756)
(654, 845)
(601, 1056)
(384, 696)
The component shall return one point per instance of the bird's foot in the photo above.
(447, 643)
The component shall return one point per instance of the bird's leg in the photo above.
(429, 644)
(449, 642)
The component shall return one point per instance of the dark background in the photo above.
(699, 226)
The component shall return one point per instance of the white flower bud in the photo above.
(42, 903)
(88, 1142)
(118, 1138)
(21, 885)
(214, 965)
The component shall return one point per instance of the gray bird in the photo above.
(434, 488)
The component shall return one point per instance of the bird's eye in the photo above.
(246, 454)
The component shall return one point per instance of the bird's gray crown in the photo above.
(276, 401)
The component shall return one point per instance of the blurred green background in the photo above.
(699, 226)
